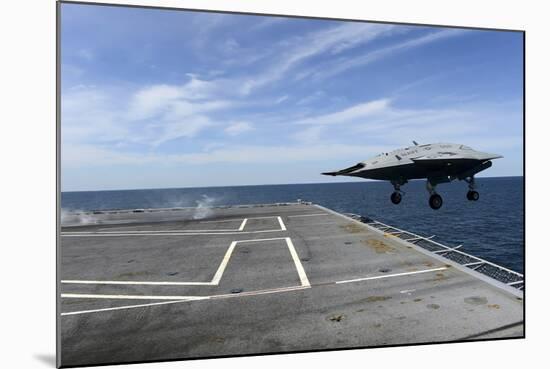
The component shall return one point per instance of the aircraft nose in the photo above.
(490, 156)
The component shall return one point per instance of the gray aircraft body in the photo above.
(438, 163)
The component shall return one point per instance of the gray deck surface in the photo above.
(265, 299)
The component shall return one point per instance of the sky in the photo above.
(155, 98)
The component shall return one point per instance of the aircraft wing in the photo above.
(450, 157)
(442, 159)
(345, 171)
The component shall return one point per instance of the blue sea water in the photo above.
(491, 228)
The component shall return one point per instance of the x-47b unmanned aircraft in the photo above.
(438, 163)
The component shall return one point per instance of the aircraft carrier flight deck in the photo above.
(158, 284)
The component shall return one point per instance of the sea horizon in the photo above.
(492, 228)
(267, 184)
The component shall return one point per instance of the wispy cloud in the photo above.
(151, 115)
(233, 90)
(267, 22)
(333, 41)
(309, 135)
(75, 155)
(383, 121)
(238, 128)
(343, 65)
(352, 113)
(311, 98)
(86, 54)
(281, 99)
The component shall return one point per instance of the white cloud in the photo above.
(350, 114)
(279, 154)
(333, 40)
(89, 114)
(187, 127)
(343, 65)
(86, 54)
(150, 115)
(309, 135)
(87, 155)
(78, 155)
(267, 22)
(281, 99)
(311, 98)
(238, 128)
(380, 121)
(151, 100)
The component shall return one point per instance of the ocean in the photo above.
(491, 228)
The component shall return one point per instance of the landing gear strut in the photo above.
(472, 194)
(435, 200)
(396, 195)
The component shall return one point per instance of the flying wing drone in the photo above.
(438, 163)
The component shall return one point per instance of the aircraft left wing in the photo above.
(345, 171)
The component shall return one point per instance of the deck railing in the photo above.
(492, 270)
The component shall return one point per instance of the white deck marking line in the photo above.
(168, 231)
(390, 275)
(307, 215)
(139, 283)
(235, 219)
(259, 292)
(165, 231)
(223, 264)
(121, 307)
(214, 282)
(283, 227)
(243, 224)
(192, 299)
(182, 232)
(297, 263)
(130, 297)
(221, 221)
(262, 239)
(95, 234)
(245, 294)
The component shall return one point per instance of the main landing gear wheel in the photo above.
(435, 201)
(472, 195)
(396, 198)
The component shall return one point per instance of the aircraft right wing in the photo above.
(441, 159)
